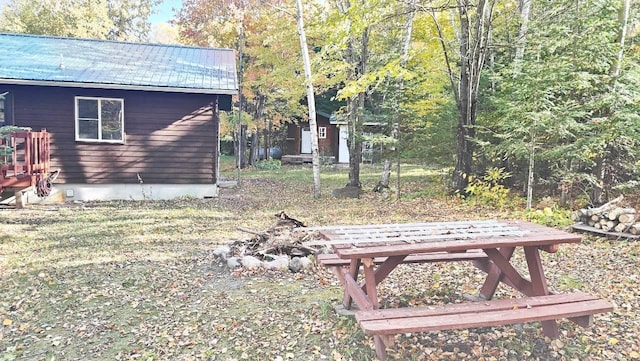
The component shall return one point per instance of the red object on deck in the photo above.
(24, 159)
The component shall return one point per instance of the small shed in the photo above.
(126, 120)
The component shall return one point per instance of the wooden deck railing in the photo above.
(24, 158)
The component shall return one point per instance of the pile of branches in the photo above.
(279, 239)
(279, 247)
(610, 217)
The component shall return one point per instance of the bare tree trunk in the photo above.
(243, 146)
(385, 176)
(354, 143)
(623, 18)
(464, 148)
(598, 194)
(525, 10)
(310, 101)
(240, 161)
(395, 132)
(531, 166)
(474, 41)
(255, 148)
(356, 110)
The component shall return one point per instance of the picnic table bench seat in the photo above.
(332, 259)
(578, 307)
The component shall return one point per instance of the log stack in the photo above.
(610, 217)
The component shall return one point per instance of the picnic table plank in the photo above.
(467, 307)
(412, 232)
(453, 245)
(332, 259)
(484, 318)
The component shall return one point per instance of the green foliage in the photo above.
(488, 190)
(549, 216)
(5, 130)
(565, 105)
(269, 164)
(569, 283)
(88, 19)
(124, 20)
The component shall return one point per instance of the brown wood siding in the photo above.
(171, 138)
(326, 147)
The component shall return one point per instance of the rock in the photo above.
(306, 262)
(295, 265)
(222, 252)
(324, 250)
(279, 263)
(233, 262)
(250, 262)
(298, 264)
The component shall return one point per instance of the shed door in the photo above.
(343, 149)
(305, 141)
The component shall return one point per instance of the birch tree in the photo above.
(521, 42)
(311, 102)
(525, 10)
(405, 45)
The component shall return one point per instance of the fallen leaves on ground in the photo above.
(138, 281)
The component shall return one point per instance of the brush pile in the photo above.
(610, 217)
(278, 248)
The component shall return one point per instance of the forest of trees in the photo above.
(547, 92)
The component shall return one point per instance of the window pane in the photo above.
(87, 108)
(1, 110)
(111, 119)
(88, 129)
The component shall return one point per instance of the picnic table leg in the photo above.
(539, 285)
(354, 269)
(370, 282)
(494, 276)
(382, 342)
(387, 266)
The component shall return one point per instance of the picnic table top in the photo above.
(354, 241)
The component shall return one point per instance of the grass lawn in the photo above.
(138, 281)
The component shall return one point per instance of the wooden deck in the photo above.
(297, 159)
(24, 159)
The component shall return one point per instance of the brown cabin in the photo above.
(126, 120)
(298, 141)
(332, 140)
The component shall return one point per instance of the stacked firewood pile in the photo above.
(610, 217)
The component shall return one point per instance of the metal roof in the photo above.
(56, 61)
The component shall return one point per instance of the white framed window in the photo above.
(5, 102)
(100, 119)
(322, 132)
(2, 110)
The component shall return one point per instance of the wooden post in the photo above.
(28, 153)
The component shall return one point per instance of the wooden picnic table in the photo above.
(379, 249)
